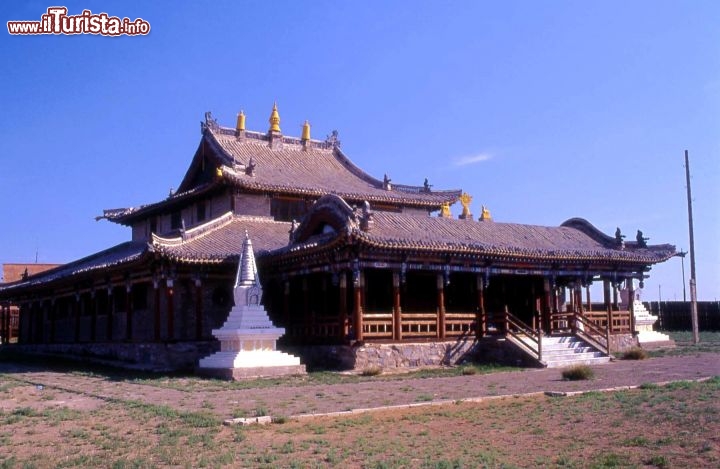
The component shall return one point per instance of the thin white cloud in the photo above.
(467, 160)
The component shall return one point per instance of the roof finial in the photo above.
(274, 119)
(305, 132)
(240, 122)
(485, 215)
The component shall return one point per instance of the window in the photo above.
(287, 209)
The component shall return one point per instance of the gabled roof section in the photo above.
(308, 168)
(125, 253)
(221, 239)
(574, 241)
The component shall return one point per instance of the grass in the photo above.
(578, 373)
(672, 426)
(635, 353)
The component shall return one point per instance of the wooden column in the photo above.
(608, 303)
(198, 309)
(169, 296)
(286, 305)
(480, 317)
(158, 318)
(110, 314)
(548, 306)
(93, 315)
(397, 312)
(440, 306)
(587, 298)
(616, 306)
(4, 327)
(76, 309)
(128, 312)
(358, 307)
(342, 306)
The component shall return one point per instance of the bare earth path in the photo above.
(290, 399)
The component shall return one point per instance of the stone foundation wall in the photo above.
(622, 342)
(385, 356)
(177, 356)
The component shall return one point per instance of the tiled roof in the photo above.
(317, 169)
(577, 240)
(221, 239)
(121, 254)
(391, 230)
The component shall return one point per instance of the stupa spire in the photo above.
(247, 270)
(274, 119)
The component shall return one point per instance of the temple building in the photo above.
(350, 265)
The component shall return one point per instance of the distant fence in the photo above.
(675, 315)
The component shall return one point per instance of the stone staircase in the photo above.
(568, 350)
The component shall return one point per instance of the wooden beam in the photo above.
(440, 306)
(397, 312)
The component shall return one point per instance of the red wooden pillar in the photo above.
(169, 296)
(110, 313)
(548, 304)
(93, 317)
(157, 317)
(397, 312)
(308, 319)
(129, 312)
(358, 307)
(481, 317)
(76, 308)
(198, 309)
(440, 306)
(342, 305)
(3, 324)
(631, 307)
(608, 303)
(286, 303)
(615, 305)
(587, 298)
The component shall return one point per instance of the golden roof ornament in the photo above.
(240, 126)
(465, 200)
(305, 131)
(485, 216)
(445, 210)
(219, 172)
(274, 119)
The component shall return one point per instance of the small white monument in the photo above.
(644, 323)
(248, 337)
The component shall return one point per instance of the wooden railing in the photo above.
(619, 320)
(329, 328)
(419, 325)
(459, 324)
(515, 329)
(377, 326)
(585, 329)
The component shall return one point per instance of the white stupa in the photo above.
(248, 337)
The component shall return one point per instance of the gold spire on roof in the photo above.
(240, 122)
(485, 216)
(305, 131)
(445, 210)
(274, 119)
(465, 200)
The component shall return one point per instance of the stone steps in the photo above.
(562, 351)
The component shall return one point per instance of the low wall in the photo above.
(174, 356)
(622, 342)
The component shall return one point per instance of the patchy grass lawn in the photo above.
(677, 425)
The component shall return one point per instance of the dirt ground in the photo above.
(503, 419)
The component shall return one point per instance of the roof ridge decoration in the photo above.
(195, 232)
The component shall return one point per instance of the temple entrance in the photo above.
(522, 296)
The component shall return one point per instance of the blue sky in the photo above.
(542, 111)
